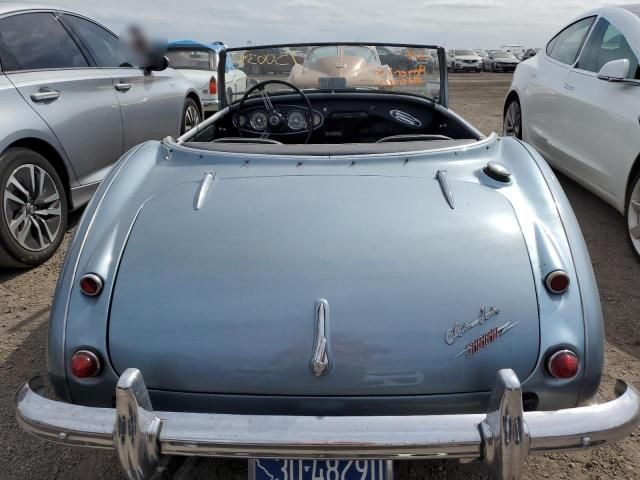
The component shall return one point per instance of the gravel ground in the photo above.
(25, 299)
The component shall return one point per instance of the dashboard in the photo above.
(337, 118)
(290, 119)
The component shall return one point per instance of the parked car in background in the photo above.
(72, 103)
(355, 65)
(578, 101)
(481, 53)
(199, 63)
(464, 60)
(531, 52)
(516, 50)
(422, 56)
(270, 60)
(486, 59)
(501, 61)
(395, 60)
(384, 283)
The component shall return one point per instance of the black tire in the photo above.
(633, 186)
(512, 121)
(493, 68)
(191, 115)
(47, 230)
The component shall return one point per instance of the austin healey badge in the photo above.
(459, 329)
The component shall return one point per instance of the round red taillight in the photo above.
(91, 284)
(557, 281)
(563, 364)
(85, 364)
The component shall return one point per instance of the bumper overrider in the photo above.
(503, 437)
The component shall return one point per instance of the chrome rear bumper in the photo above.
(502, 438)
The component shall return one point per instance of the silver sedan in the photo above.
(72, 104)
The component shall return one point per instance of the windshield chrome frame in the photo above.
(443, 97)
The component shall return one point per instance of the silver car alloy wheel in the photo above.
(633, 217)
(32, 208)
(513, 121)
(191, 117)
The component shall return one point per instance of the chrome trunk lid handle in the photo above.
(320, 358)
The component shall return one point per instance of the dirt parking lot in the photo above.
(25, 299)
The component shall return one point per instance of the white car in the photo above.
(578, 101)
(515, 50)
(463, 60)
(199, 63)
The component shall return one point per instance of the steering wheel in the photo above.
(275, 120)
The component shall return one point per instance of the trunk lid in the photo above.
(223, 299)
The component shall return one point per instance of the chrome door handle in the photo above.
(45, 95)
(122, 87)
(569, 87)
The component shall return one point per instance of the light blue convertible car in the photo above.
(325, 280)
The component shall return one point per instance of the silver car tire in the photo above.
(512, 124)
(190, 116)
(632, 215)
(34, 213)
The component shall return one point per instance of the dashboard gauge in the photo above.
(317, 119)
(259, 120)
(296, 120)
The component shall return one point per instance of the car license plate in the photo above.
(264, 469)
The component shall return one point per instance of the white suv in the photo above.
(463, 60)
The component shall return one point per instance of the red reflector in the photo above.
(91, 284)
(563, 364)
(213, 87)
(85, 364)
(557, 281)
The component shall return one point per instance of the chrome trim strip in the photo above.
(203, 190)
(441, 175)
(499, 437)
(201, 126)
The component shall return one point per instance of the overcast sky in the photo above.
(456, 23)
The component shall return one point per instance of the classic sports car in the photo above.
(354, 65)
(577, 102)
(322, 281)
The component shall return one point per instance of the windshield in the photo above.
(503, 55)
(462, 53)
(335, 67)
(190, 58)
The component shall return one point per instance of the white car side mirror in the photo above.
(614, 71)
